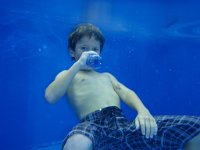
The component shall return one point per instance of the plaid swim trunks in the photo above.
(109, 129)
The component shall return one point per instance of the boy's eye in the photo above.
(83, 48)
(95, 49)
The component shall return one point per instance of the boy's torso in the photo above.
(90, 91)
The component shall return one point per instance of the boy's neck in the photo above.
(88, 71)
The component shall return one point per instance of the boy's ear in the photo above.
(71, 52)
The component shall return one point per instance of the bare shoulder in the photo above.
(119, 88)
(116, 84)
(111, 77)
(61, 74)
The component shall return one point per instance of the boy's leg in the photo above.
(78, 142)
(193, 144)
(179, 131)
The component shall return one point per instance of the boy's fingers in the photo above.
(142, 126)
(137, 126)
(91, 52)
(154, 127)
(148, 127)
(147, 124)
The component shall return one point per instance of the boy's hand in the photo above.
(147, 124)
(82, 60)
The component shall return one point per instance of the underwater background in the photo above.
(153, 47)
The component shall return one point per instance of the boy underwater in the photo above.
(95, 97)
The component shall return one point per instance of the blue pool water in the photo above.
(152, 47)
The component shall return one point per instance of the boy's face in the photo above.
(85, 44)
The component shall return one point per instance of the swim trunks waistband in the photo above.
(104, 112)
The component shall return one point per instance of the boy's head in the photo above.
(82, 32)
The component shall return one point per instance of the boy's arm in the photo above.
(144, 119)
(61, 83)
(127, 95)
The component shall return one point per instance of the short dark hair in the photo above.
(85, 29)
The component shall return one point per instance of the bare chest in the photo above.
(90, 80)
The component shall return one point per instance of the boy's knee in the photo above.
(193, 144)
(195, 139)
(78, 142)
